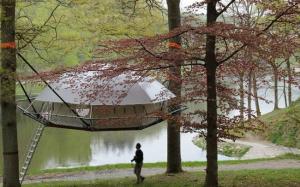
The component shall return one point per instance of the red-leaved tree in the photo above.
(209, 50)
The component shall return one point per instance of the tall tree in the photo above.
(211, 68)
(174, 153)
(241, 93)
(211, 65)
(276, 77)
(255, 87)
(249, 110)
(7, 88)
(289, 70)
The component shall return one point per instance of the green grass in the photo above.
(160, 165)
(225, 148)
(247, 178)
(283, 126)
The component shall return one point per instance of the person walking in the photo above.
(138, 158)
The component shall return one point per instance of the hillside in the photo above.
(283, 126)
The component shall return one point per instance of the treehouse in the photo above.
(90, 101)
(95, 101)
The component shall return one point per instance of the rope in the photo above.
(50, 87)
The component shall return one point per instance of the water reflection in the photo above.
(58, 147)
(154, 145)
(71, 148)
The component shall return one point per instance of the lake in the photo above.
(71, 148)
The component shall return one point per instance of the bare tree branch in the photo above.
(262, 31)
(38, 31)
(225, 8)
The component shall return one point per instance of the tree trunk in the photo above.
(174, 153)
(241, 90)
(289, 82)
(211, 139)
(249, 95)
(7, 88)
(211, 179)
(284, 93)
(275, 72)
(257, 107)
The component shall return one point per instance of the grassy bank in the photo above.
(160, 165)
(254, 178)
(283, 126)
(225, 148)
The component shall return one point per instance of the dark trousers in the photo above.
(137, 171)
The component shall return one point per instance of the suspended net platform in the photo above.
(87, 101)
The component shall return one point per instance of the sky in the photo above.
(183, 3)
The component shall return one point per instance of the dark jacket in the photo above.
(138, 158)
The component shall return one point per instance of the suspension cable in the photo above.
(50, 87)
(27, 96)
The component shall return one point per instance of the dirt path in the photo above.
(122, 173)
(264, 149)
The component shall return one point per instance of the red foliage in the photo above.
(240, 38)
